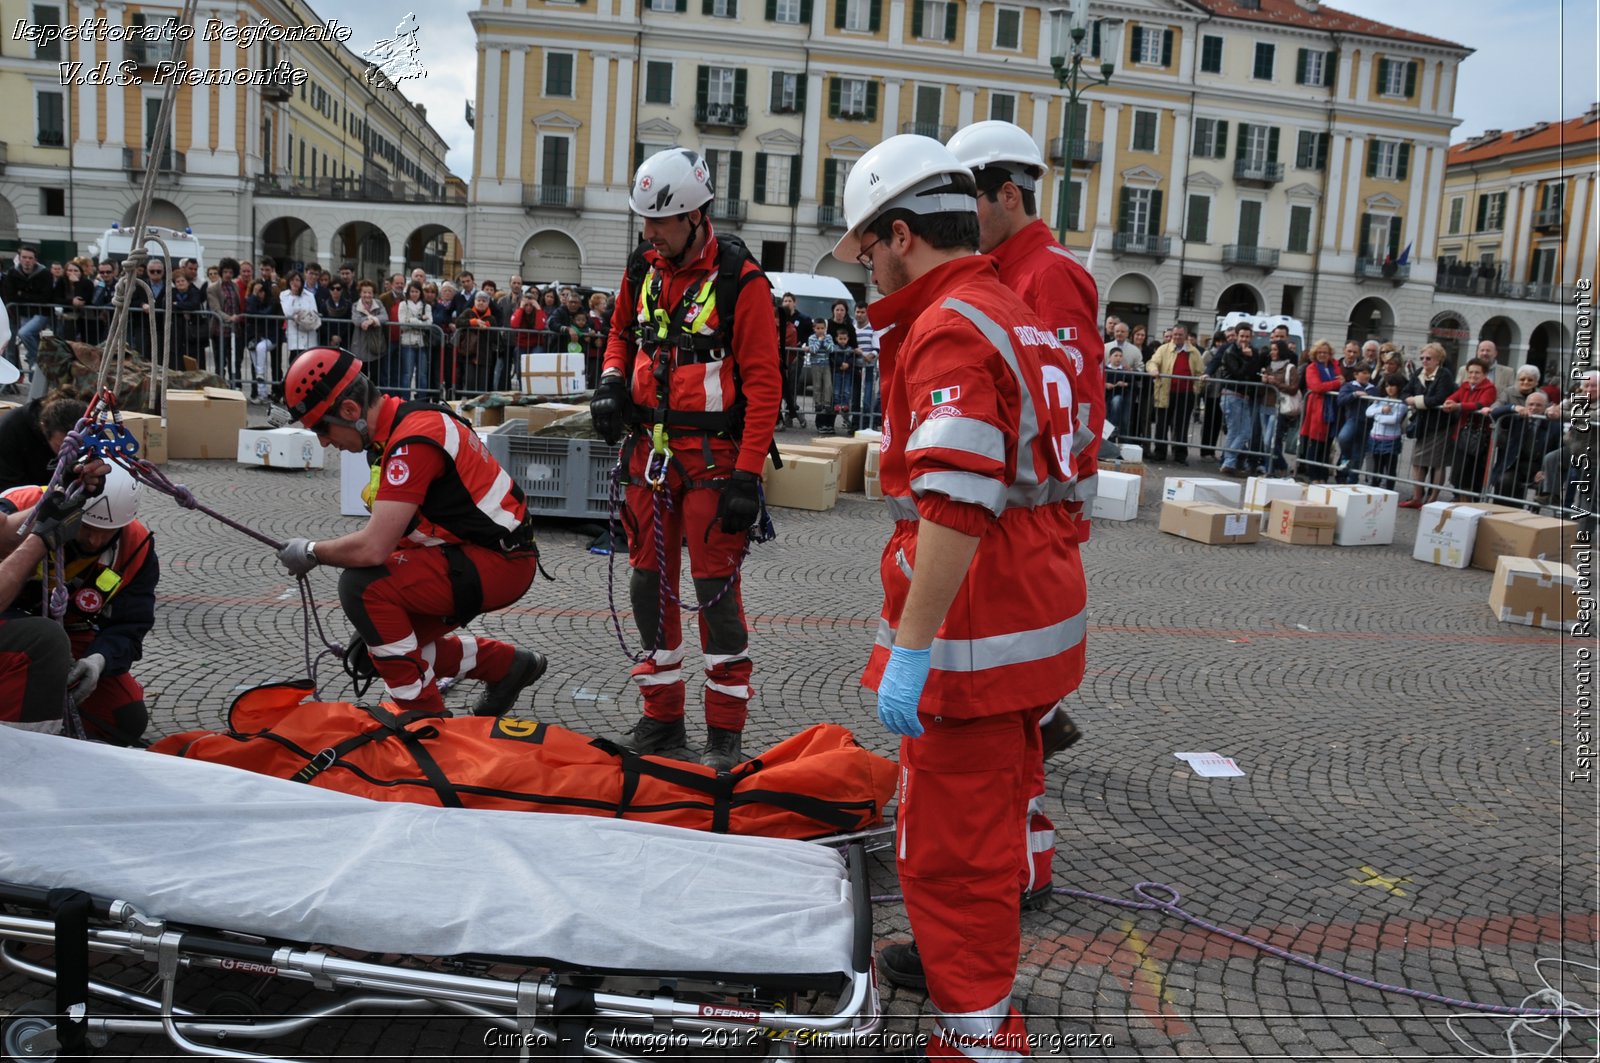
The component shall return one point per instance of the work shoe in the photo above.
(901, 965)
(499, 696)
(722, 749)
(1037, 900)
(1058, 734)
(664, 737)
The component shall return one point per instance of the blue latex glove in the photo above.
(900, 690)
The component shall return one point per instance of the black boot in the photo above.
(722, 749)
(498, 697)
(664, 737)
(901, 965)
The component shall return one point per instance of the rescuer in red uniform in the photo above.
(692, 378)
(983, 618)
(449, 538)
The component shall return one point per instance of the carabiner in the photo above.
(655, 470)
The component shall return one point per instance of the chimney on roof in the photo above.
(1593, 113)
(1491, 134)
(1312, 6)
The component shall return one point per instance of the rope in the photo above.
(661, 500)
(1160, 897)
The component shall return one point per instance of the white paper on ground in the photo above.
(1211, 765)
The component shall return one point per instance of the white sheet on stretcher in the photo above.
(223, 848)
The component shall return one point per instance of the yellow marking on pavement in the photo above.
(1378, 878)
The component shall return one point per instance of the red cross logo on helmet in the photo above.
(645, 183)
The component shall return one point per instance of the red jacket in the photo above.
(1317, 422)
(1058, 288)
(978, 428)
(473, 501)
(1472, 400)
(709, 386)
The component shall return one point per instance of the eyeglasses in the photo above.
(1427, 358)
(864, 256)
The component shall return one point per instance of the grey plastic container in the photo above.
(561, 477)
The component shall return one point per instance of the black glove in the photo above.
(740, 504)
(58, 518)
(609, 407)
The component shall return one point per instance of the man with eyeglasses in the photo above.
(449, 539)
(30, 293)
(982, 627)
(97, 322)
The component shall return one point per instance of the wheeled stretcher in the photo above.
(576, 936)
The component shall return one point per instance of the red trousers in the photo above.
(962, 847)
(404, 608)
(687, 508)
(35, 656)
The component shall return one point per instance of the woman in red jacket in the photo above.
(1471, 402)
(1320, 379)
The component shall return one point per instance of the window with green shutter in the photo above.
(788, 95)
(720, 8)
(1299, 229)
(1197, 224)
(1210, 54)
(657, 81)
(558, 67)
(1266, 55)
(1311, 150)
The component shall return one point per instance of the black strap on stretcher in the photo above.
(720, 789)
(70, 909)
(394, 726)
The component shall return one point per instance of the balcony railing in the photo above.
(52, 138)
(727, 209)
(1082, 150)
(938, 132)
(1536, 291)
(1246, 255)
(372, 189)
(151, 53)
(135, 162)
(1141, 244)
(721, 115)
(1377, 269)
(1549, 218)
(1258, 170)
(552, 197)
(830, 216)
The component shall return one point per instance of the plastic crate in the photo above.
(561, 477)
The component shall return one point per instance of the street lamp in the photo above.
(1067, 65)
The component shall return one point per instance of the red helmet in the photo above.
(316, 379)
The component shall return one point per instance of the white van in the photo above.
(1263, 324)
(116, 242)
(814, 294)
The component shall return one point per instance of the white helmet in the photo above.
(987, 143)
(117, 503)
(906, 171)
(670, 183)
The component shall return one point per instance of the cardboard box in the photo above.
(1447, 532)
(870, 434)
(1117, 496)
(874, 456)
(151, 432)
(1259, 491)
(280, 448)
(1192, 489)
(803, 483)
(852, 459)
(1207, 522)
(204, 424)
(1299, 523)
(800, 450)
(552, 374)
(1131, 452)
(1366, 514)
(1536, 593)
(354, 475)
(1519, 534)
(873, 487)
(541, 414)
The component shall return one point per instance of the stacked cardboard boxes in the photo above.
(1201, 489)
(1117, 496)
(1518, 533)
(1447, 532)
(852, 459)
(1366, 514)
(1260, 491)
(204, 424)
(1300, 523)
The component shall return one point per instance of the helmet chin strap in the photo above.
(694, 235)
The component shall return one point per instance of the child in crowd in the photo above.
(1353, 398)
(1388, 417)
(846, 359)
(1117, 381)
(820, 351)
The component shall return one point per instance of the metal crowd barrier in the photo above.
(829, 399)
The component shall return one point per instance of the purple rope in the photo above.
(1154, 902)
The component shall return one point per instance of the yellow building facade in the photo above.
(1272, 156)
(275, 133)
(1517, 231)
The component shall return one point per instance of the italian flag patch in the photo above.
(1066, 335)
(944, 395)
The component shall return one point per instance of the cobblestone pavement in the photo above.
(1405, 816)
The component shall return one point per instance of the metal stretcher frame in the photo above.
(192, 866)
(538, 1009)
